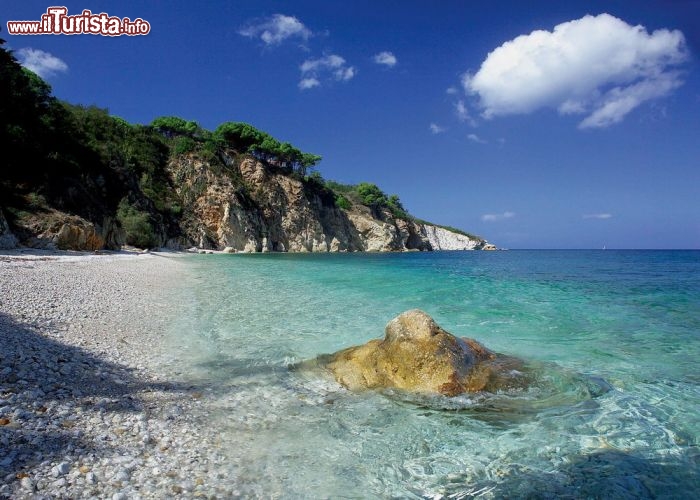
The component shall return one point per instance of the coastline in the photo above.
(84, 408)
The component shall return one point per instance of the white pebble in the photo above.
(27, 484)
(61, 469)
(121, 475)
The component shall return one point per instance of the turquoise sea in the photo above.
(613, 336)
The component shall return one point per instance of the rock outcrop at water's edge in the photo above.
(277, 213)
(416, 355)
(234, 202)
(237, 203)
(443, 239)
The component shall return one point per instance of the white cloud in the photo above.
(461, 110)
(344, 74)
(40, 62)
(308, 83)
(476, 138)
(332, 66)
(463, 113)
(599, 66)
(276, 29)
(330, 61)
(386, 58)
(621, 100)
(597, 216)
(497, 217)
(451, 90)
(437, 129)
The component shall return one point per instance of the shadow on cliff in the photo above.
(336, 224)
(38, 405)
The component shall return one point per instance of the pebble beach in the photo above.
(85, 410)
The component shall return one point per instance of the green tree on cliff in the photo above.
(246, 138)
(375, 198)
(171, 126)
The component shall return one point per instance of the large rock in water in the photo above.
(417, 355)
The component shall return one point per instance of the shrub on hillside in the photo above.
(342, 202)
(184, 144)
(137, 225)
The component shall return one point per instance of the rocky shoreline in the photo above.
(85, 411)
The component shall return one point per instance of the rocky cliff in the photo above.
(252, 207)
(242, 204)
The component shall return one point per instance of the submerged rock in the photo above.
(417, 355)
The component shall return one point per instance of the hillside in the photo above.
(76, 177)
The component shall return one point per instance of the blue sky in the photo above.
(480, 115)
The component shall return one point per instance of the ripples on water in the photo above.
(613, 338)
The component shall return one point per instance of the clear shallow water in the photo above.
(613, 336)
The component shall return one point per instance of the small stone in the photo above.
(84, 469)
(61, 469)
(121, 475)
(4, 421)
(90, 478)
(27, 484)
(176, 489)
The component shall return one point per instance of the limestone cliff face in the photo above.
(444, 239)
(250, 207)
